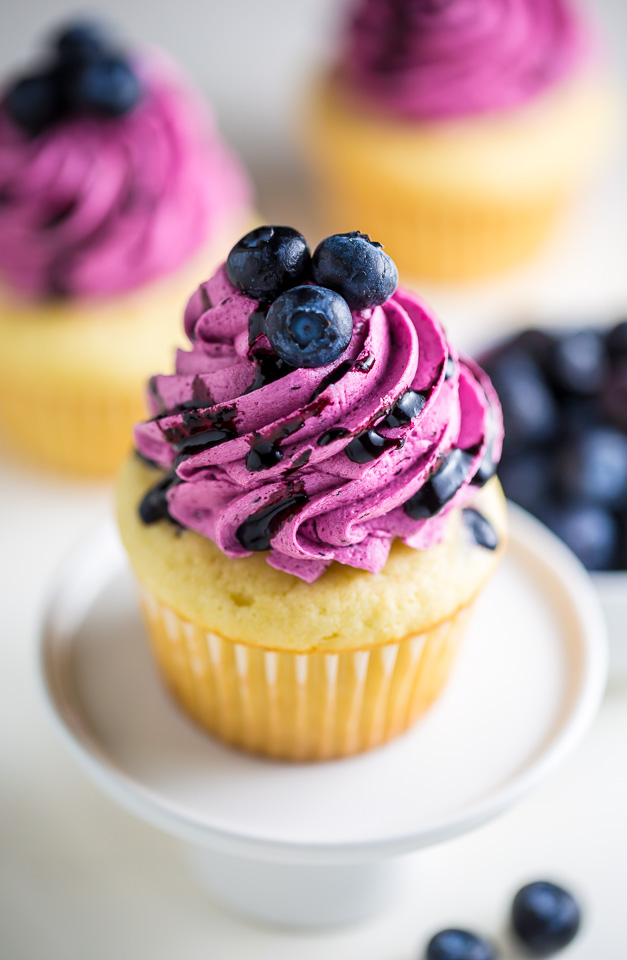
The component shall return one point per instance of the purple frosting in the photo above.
(327, 506)
(434, 59)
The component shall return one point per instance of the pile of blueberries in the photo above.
(564, 399)
(545, 918)
(306, 301)
(85, 74)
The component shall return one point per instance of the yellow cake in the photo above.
(295, 670)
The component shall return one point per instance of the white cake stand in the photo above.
(321, 844)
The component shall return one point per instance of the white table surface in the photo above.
(83, 880)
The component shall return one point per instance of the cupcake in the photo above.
(312, 509)
(459, 130)
(116, 194)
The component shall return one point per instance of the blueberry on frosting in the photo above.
(86, 75)
(81, 42)
(34, 102)
(268, 261)
(355, 267)
(309, 326)
(106, 86)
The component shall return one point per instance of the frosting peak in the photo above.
(318, 464)
(98, 206)
(432, 59)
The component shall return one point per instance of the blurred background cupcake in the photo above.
(459, 129)
(116, 196)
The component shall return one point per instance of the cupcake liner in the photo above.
(300, 706)
(85, 430)
(444, 238)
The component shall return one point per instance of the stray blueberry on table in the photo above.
(309, 326)
(545, 917)
(459, 945)
(355, 267)
(268, 261)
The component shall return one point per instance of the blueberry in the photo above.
(355, 267)
(309, 326)
(526, 479)
(545, 917)
(81, 42)
(590, 531)
(616, 340)
(529, 409)
(34, 102)
(459, 945)
(614, 396)
(268, 261)
(107, 87)
(578, 363)
(593, 467)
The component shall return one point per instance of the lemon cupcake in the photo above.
(459, 130)
(313, 510)
(116, 193)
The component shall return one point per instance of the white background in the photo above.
(82, 880)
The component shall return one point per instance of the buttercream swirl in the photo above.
(262, 451)
(93, 206)
(436, 59)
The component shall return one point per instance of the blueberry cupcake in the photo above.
(115, 194)
(312, 509)
(459, 130)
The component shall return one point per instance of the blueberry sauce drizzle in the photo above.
(154, 503)
(335, 433)
(257, 531)
(369, 445)
(482, 531)
(441, 486)
(264, 451)
(408, 406)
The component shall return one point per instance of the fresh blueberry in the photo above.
(107, 87)
(34, 102)
(534, 343)
(529, 409)
(614, 396)
(355, 267)
(309, 326)
(268, 261)
(590, 531)
(459, 945)
(81, 42)
(545, 917)
(593, 467)
(526, 479)
(578, 363)
(616, 340)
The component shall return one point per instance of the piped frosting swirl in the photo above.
(99, 206)
(323, 464)
(437, 59)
